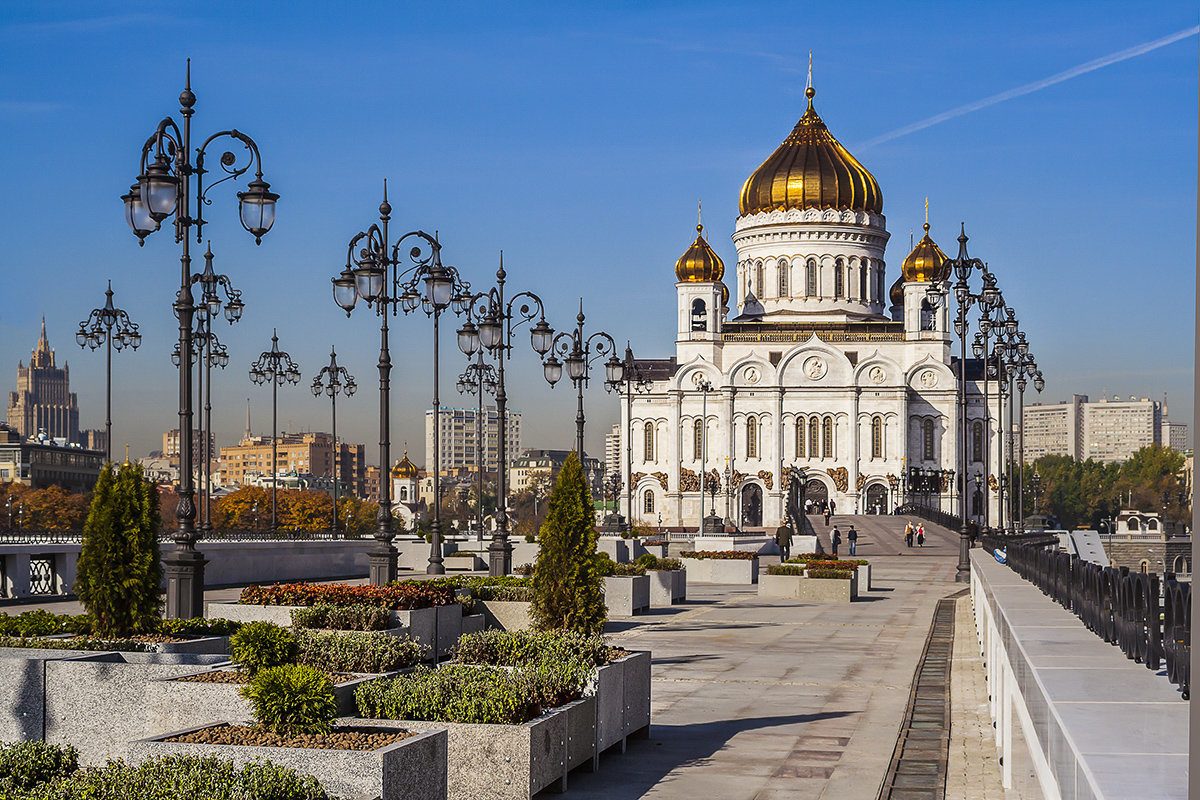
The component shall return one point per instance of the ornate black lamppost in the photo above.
(635, 380)
(335, 380)
(482, 378)
(704, 386)
(1026, 368)
(276, 366)
(578, 352)
(367, 277)
(111, 327)
(164, 189)
(210, 353)
(498, 319)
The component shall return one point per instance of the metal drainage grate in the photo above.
(918, 768)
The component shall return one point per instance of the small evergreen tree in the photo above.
(568, 592)
(119, 571)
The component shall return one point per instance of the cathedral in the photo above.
(43, 400)
(822, 365)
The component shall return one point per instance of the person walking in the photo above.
(908, 535)
(921, 535)
(783, 538)
(832, 507)
(835, 539)
(852, 538)
(827, 514)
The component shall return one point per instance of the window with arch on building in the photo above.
(699, 315)
(1144, 566)
(648, 501)
(698, 440)
(977, 442)
(814, 436)
(759, 282)
(648, 442)
(927, 439)
(810, 278)
(751, 437)
(862, 281)
(799, 437)
(783, 277)
(839, 279)
(827, 438)
(877, 437)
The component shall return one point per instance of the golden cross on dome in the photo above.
(808, 85)
(926, 210)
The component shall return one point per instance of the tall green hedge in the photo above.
(119, 570)
(568, 593)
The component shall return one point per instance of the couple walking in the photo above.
(910, 532)
(835, 539)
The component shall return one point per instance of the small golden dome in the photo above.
(724, 296)
(896, 293)
(699, 264)
(405, 468)
(926, 262)
(811, 169)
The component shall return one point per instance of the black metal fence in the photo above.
(937, 516)
(29, 536)
(1148, 617)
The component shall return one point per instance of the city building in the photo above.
(42, 462)
(1175, 435)
(613, 454)
(43, 400)
(1113, 430)
(1054, 429)
(95, 439)
(299, 454)
(819, 365)
(460, 435)
(170, 449)
(540, 468)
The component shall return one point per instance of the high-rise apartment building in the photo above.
(1113, 430)
(170, 449)
(612, 451)
(462, 430)
(1055, 429)
(1175, 435)
(298, 454)
(43, 400)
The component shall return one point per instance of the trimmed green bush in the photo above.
(181, 778)
(356, 617)
(518, 648)
(80, 643)
(452, 693)
(198, 626)
(786, 569)
(261, 645)
(649, 561)
(292, 699)
(24, 765)
(628, 570)
(820, 572)
(357, 651)
(605, 566)
(119, 571)
(737, 555)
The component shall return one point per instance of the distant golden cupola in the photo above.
(699, 264)
(896, 293)
(926, 262)
(811, 169)
(405, 469)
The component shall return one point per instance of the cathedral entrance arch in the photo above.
(877, 499)
(752, 504)
(816, 491)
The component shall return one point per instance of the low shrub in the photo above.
(80, 643)
(531, 538)
(400, 596)
(24, 765)
(628, 570)
(827, 563)
(461, 554)
(40, 622)
(356, 617)
(355, 651)
(181, 778)
(453, 693)
(823, 572)
(653, 542)
(552, 683)
(261, 645)
(523, 569)
(292, 699)
(518, 648)
(605, 566)
(652, 562)
(743, 555)
(198, 626)
(804, 558)
(786, 569)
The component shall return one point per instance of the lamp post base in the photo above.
(963, 573)
(499, 557)
(381, 563)
(184, 571)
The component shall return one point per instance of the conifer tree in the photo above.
(119, 571)
(568, 589)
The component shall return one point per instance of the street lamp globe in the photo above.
(540, 337)
(368, 280)
(614, 370)
(552, 369)
(468, 338)
(159, 188)
(438, 287)
(258, 208)
(136, 215)
(490, 332)
(345, 293)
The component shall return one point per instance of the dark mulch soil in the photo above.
(255, 736)
(238, 676)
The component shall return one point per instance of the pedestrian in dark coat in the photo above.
(852, 538)
(783, 538)
(835, 539)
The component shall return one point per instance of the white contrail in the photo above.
(1090, 66)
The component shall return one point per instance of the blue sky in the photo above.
(578, 140)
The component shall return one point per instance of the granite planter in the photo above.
(508, 615)
(667, 586)
(208, 645)
(626, 595)
(447, 629)
(411, 769)
(809, 590)
(473, 623)
(622, 692)
(464, 561)
(722, 570)
(616, 547)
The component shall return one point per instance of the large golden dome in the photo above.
(926, 262)
(699, 263)
(405, 469)
(811, 169)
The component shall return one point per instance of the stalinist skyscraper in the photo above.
(43, 399)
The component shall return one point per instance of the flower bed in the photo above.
(40, 622)
(342, 737)
(78, 643)
(745, 555)
(355, 651)
(400, 596)
(356, 617)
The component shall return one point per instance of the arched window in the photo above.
(759, 283)
(839, 279)
(648, 502)
(698, 440)
(1132, 524)
(783, 277)
(403, 494)
(977, 442)
(814, 436)
(827, 438)
(648, 442)
(1151, 524)
(862, 281)
(928, 316)
(877, 437)
(927, 439)
(699, 315)
(1144, 566)
(751, 437)
(810, 278)
(1177, 565)
(799, 437)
